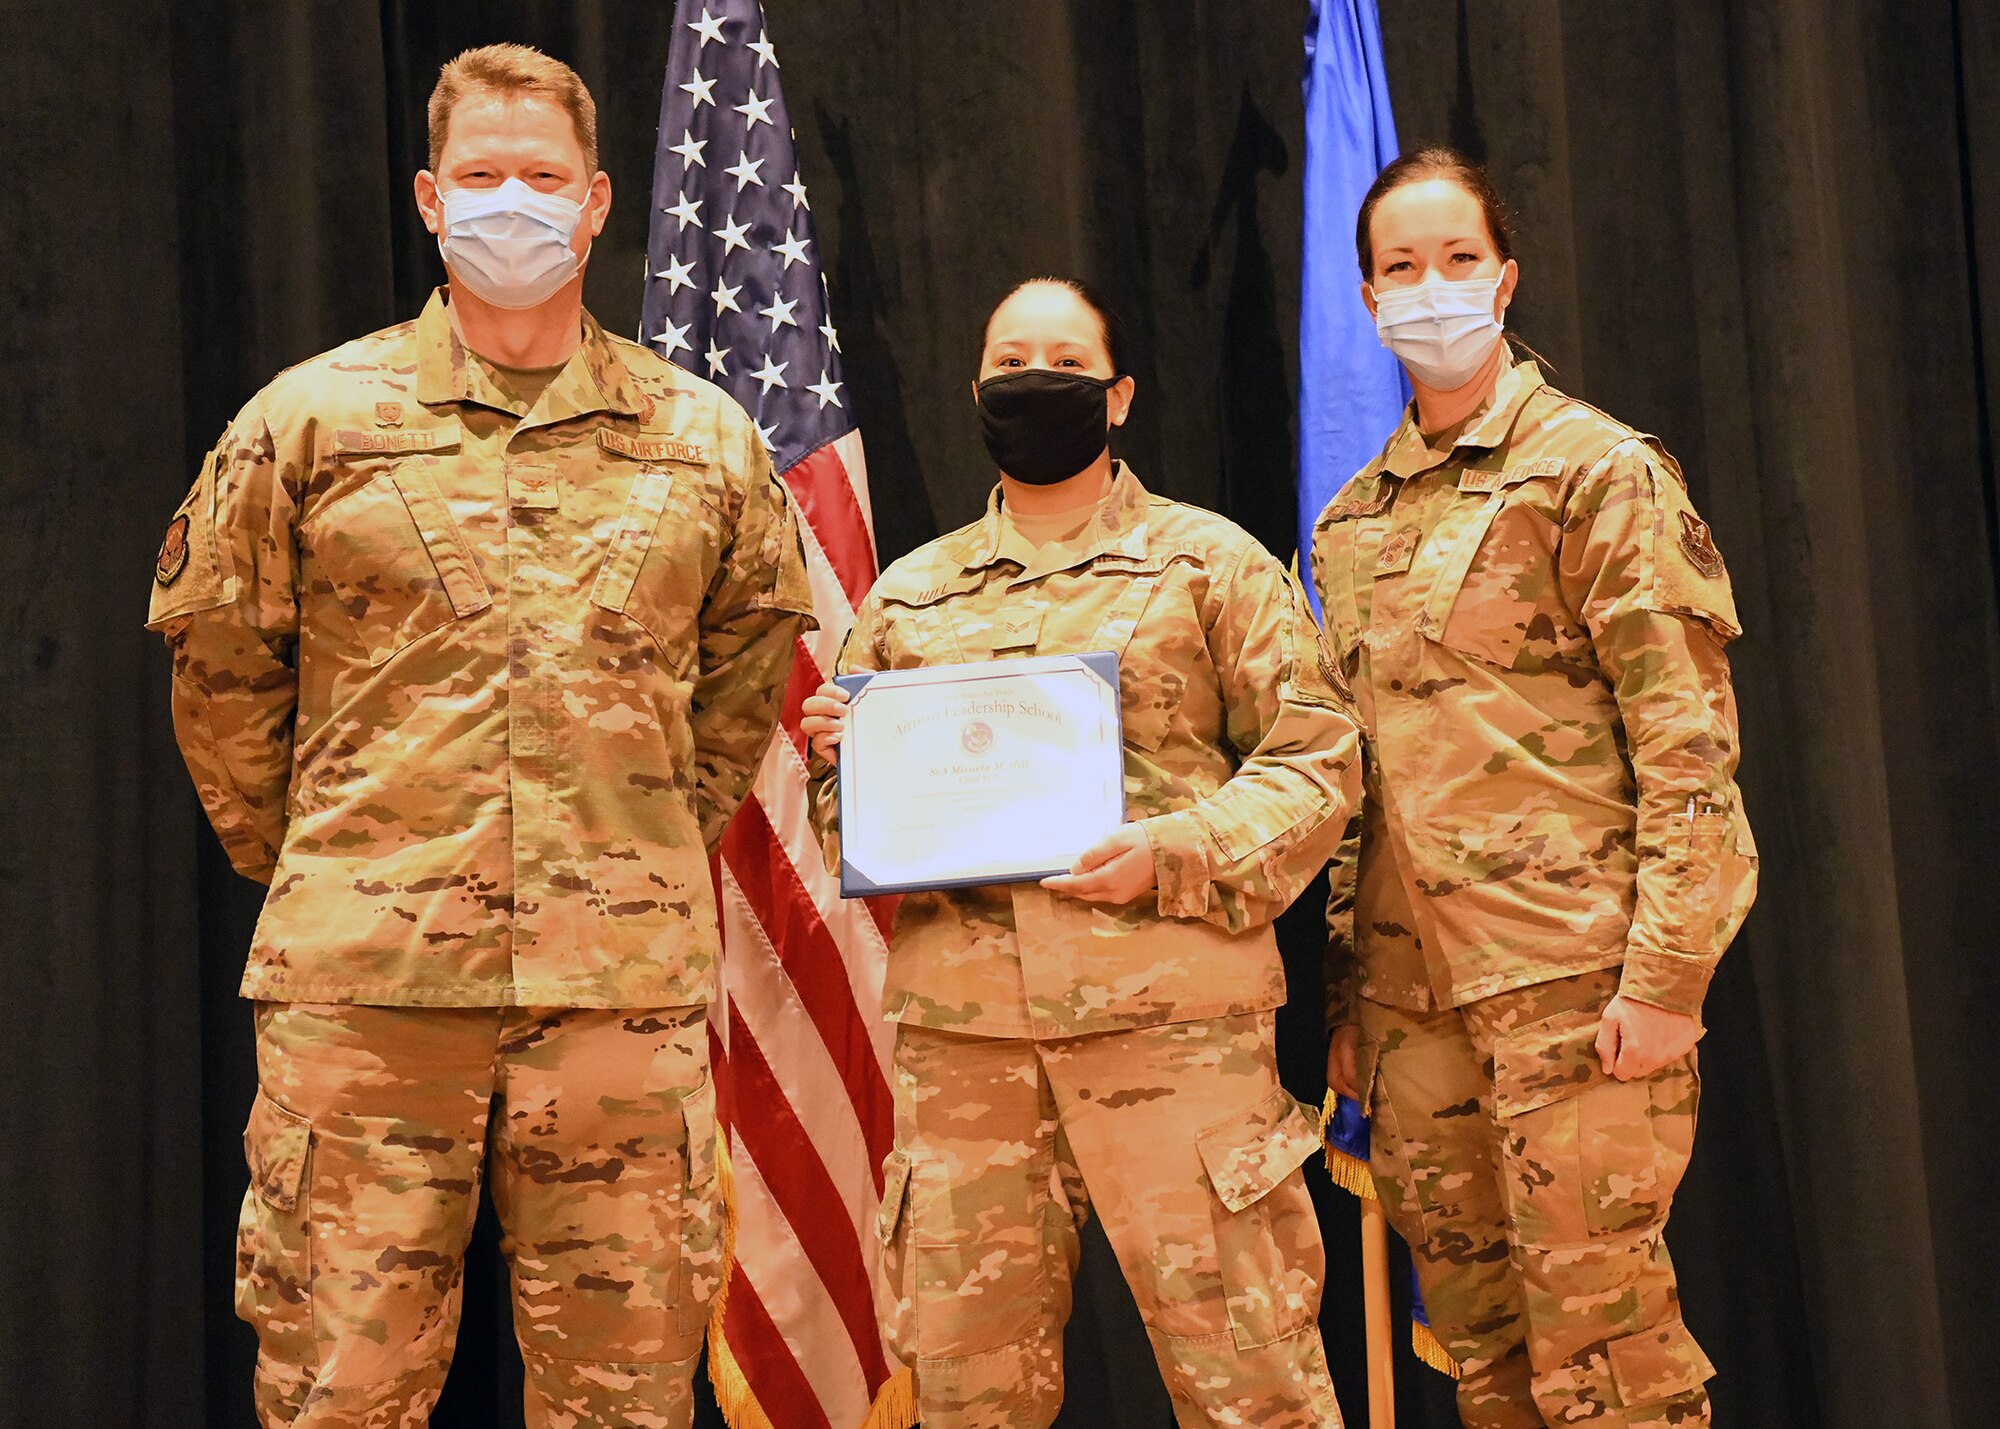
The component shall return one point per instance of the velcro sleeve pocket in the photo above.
(277, 1143)
(1247, 1157)
(190, 573)
(1546, 1062)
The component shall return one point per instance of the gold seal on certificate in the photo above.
(1001, 771)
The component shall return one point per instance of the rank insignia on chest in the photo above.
(1397, 552)
(532, 490)
(173, 557)
(1016, 632)
(388, 414)
(1699, 546)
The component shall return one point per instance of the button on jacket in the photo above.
(1240, 756)
(475, 688)
(1533, 618)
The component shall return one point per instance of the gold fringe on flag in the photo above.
(1430, 1349)
(1348, 1173)
(895, 1404)
(733, 1395)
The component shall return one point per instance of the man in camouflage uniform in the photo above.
(1533, 618)
(1052, 1049)
(479, 629)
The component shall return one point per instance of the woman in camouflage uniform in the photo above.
(1552, 852)
(1107, 1034)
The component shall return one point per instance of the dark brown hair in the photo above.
(1108, 323)
(1434, 161)
(513, 70)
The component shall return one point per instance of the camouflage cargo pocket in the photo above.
(969, 1284)
(1656, 1369)
(892, 1272)
(273, 1236)
(1267, 1238)
(1588, 1155)
(701, 1213)
(1406, 1171)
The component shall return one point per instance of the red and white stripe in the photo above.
(800, 1048)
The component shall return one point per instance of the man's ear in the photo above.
(597, 202)
(430, 203)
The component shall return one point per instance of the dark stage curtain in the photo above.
(1767, 230)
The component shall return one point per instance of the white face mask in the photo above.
(510, 245)
(1443, 332)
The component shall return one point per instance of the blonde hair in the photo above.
(513, 70)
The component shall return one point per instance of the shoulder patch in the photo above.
(1688, 574)
(173, 556)
(189, 573)
(1699, 546)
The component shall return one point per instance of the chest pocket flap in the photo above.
(1486, 615)
(1336, 539)
(390, 547)
(1153, 627)
(917, 620)
(662, 557)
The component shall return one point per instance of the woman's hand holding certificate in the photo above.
(999, 771)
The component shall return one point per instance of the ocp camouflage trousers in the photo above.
(1533, 1189)
(1185, 1145)
(367, 1142)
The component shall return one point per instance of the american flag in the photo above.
(734, 293)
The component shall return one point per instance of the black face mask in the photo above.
(1042, 427)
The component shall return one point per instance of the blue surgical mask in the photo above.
(510, 245)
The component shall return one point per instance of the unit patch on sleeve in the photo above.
(173, 557)
(1698, 546)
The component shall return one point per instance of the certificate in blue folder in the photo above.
(1000, 771)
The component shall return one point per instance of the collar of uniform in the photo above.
(593, 380)
(1492, 427)
(1409, 454)
(1118, 526)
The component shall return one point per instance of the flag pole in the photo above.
(1377, 1315)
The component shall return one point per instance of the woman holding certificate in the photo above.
(1552, 850)
(1104, 1033)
